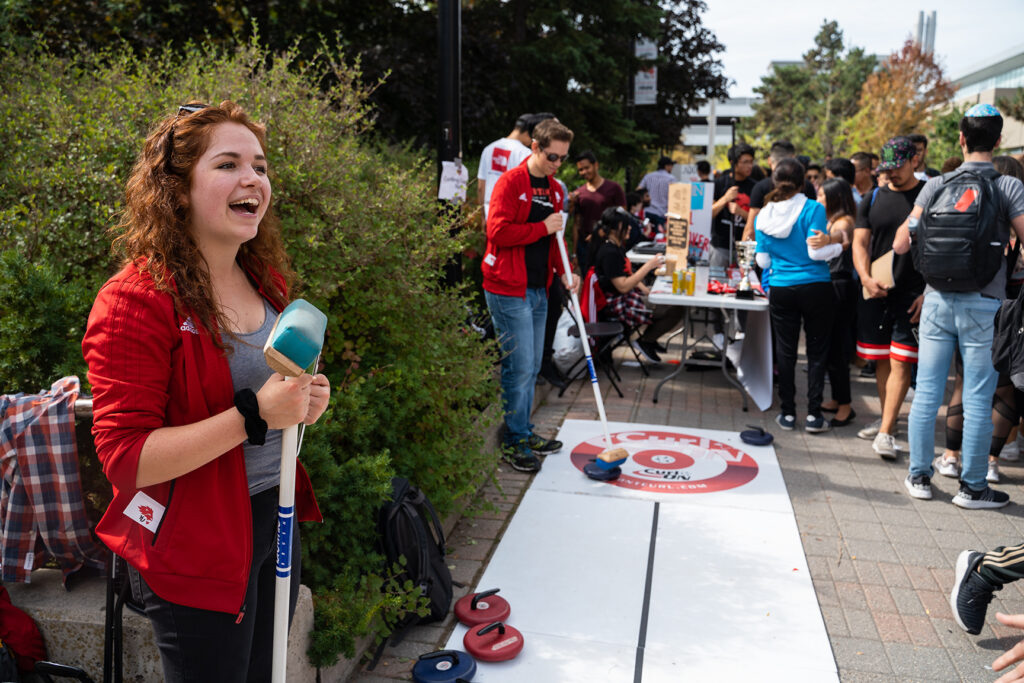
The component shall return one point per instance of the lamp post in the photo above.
(449, 147)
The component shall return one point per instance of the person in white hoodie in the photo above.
(801, 288)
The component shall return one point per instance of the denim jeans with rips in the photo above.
(519, 325)
(950, 320)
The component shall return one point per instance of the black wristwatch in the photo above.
(249, 407)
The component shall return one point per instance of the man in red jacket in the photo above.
(522, 257)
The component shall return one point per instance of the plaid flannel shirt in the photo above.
(41, 493)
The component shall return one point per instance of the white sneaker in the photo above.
(992, 476)
(885, 446)
(1010, 452)
(869, 432)
(947, 468)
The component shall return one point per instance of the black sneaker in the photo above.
(868, 370)
(551, 374)
(521, 459)
(987, 497)
(971, 593)
(542, 446)
(647, 350)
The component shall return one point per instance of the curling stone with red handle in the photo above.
(444, 666)
(485, 607)
(494, 643)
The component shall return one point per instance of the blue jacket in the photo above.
(782, 230)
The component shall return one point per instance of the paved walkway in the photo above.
(881, 562)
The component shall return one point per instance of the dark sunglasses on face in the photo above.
(183, 110)
(552, 157)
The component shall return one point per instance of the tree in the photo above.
(944, 134)
(807, 103)
(898, 99)
(1014, 107)
(572, 57)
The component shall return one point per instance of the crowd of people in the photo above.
(884, 261)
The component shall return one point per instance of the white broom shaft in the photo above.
(285, 529)
(583, 335)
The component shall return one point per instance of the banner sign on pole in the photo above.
(645, 84)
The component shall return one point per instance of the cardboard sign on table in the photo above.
(678, 223)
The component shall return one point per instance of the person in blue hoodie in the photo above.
(801, 288)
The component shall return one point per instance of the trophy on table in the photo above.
(745, 259)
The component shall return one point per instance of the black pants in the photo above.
(813, 304)
(840, 349)
(1003, 565)
(203, 645)
(555, 296)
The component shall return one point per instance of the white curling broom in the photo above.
(294, 344)
(606, 466)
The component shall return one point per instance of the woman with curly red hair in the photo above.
(187, 415)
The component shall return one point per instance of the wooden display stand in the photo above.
(677, 244)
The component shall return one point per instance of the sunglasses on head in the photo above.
(183, 110)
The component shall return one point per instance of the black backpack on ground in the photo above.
(960, 240)
(408, 527)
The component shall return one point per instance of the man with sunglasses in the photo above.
(518, 267)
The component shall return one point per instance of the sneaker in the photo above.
(647, 351)
(718, 339)
(992, 476)
(787, 422)
(1010, 452)
(971, 593)
(817, 425)
(538, 444)
(550, 373)
(987, 497)
(871, 431)
(919, 486)
(947, 467)
(885, 446)
(868, 370)
(521, 459)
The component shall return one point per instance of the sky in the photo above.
(968, 32)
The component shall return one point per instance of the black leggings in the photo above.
(203, 645)
(840, 349)
(811, 303)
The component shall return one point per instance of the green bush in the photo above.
(366, 238)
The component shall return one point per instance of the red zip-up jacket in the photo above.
(151, 368)
(508, 233)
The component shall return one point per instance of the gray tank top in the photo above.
(249, 370)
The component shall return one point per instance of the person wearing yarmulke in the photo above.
(972, 209)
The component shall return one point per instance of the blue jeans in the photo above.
(950, 320)
(519, 324)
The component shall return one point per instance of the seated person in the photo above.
(641, 229)
(624, 290)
